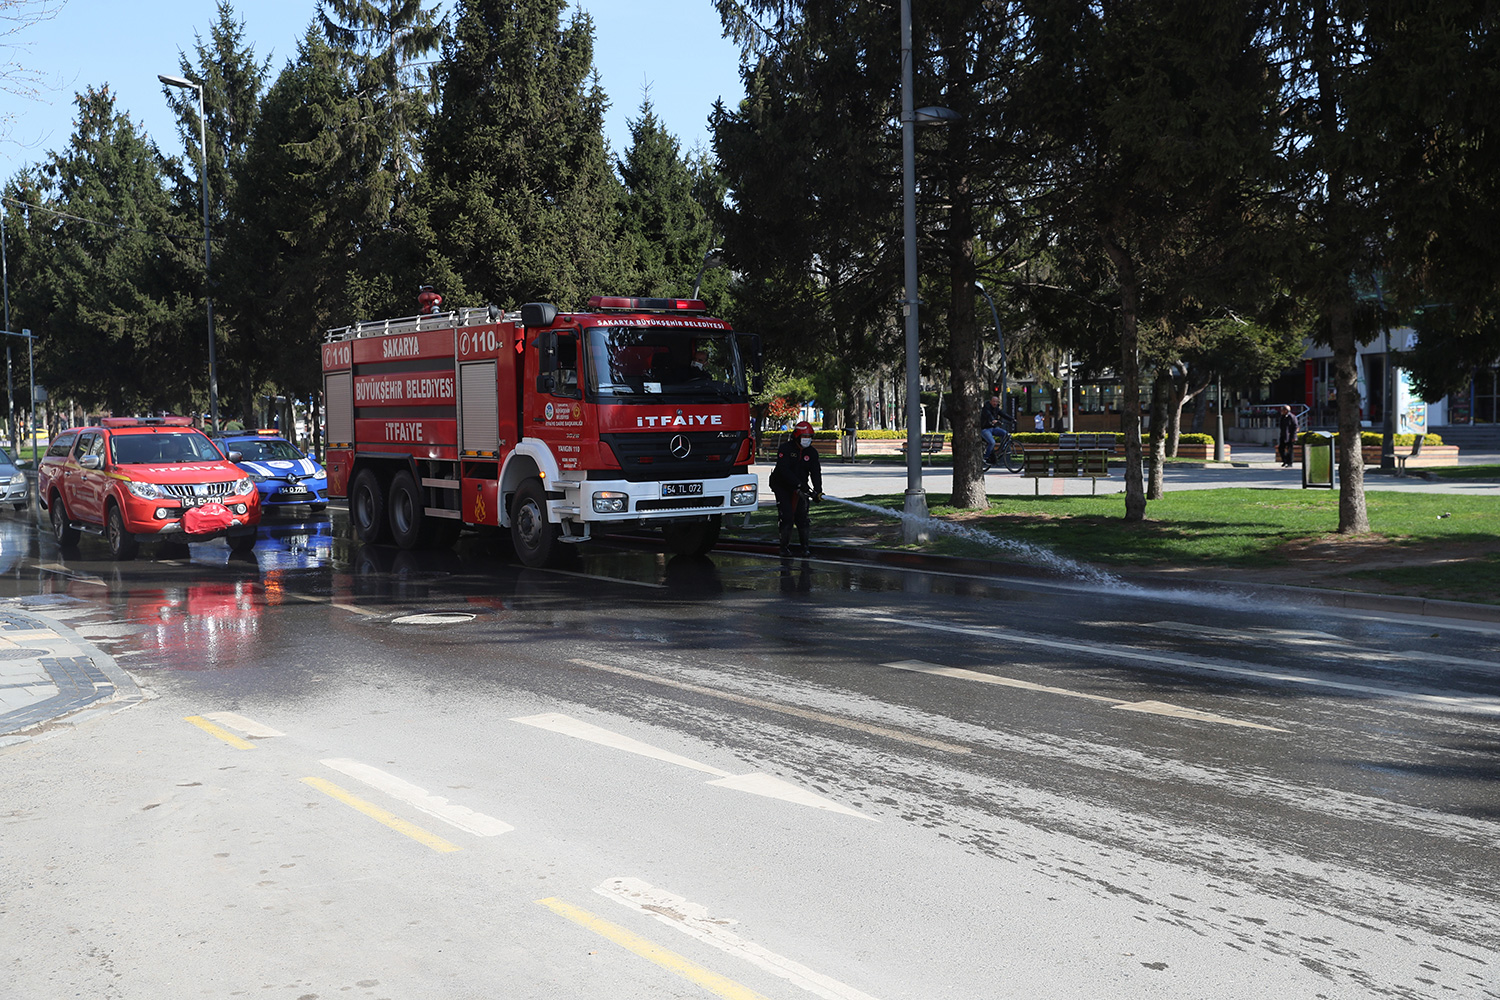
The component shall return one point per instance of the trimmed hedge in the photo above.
(1375, 438)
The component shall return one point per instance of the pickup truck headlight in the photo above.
(242, 486)
(742, 496)
(146, 491)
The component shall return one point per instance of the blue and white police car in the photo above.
(281, 473)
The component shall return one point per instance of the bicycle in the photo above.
(1005, 453)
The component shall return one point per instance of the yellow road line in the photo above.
(651, 951)
(391, 820)
(223, 734)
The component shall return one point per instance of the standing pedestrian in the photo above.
(796, 479)
(1041, 420)
(1286, 442)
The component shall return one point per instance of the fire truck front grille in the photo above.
(190, 491)
(657, 455)
(680, 503)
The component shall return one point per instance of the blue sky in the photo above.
(674, 46)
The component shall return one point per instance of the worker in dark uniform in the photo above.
(797, 479)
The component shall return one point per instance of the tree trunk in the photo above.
(1161, 387)
(964, 348)
(1354, 518)
(1130, 379)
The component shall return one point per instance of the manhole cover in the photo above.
(436, 618)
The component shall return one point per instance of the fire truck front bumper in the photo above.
(614, 501)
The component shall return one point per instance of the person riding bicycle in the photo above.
(993, 420)
(797, 465)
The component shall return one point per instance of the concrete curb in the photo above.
(90, 684)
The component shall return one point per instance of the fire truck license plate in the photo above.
(682, 489)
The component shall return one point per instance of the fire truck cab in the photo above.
(544, 423)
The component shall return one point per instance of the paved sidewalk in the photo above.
(47, 670)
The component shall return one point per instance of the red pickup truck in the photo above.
(135, 478)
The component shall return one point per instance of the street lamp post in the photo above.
(1000, 336)
(10, 397)
(913, 525)
(912, 529)
(208, 260)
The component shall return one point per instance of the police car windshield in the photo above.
(264, 450)
(645, 364)
(171, 448)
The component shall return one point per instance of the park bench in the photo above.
(1416, 449)
(1076, 456)
(930, 444)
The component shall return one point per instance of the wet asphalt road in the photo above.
(739, 776)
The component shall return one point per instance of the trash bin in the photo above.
(849, 444)
(1317, 460)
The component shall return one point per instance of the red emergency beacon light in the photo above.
(621, 303)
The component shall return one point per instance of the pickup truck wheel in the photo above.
(122, 544)
(66, 534)
(367, 507)
(692, 539)
(410, 527)
(533, 536)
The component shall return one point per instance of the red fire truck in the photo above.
(550, 424)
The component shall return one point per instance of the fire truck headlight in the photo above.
(611, 503)
(242, 486)
(742, 496)
(146, 491)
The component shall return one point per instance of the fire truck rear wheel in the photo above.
(367, 507)
(692, 539)
(410, 527)
(534, 537)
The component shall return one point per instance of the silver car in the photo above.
(14, 489)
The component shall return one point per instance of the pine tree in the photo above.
(662, 216)
(232, 82)
(294, 224)
(519, 199)
(106, 295)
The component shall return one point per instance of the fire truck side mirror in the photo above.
(546, 351)
(536, 315)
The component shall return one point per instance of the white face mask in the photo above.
(805, 442)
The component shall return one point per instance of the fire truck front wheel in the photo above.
(367, 507)
(534, 537)
(692, 539)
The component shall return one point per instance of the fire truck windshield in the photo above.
(631, 363)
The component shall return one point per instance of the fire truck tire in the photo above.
(534, 537)
(122, 544)
(65, 533)
(410, 527)
(367, 507)
(695, 539)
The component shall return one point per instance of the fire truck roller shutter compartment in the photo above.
(479, 428)
(338, 391)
